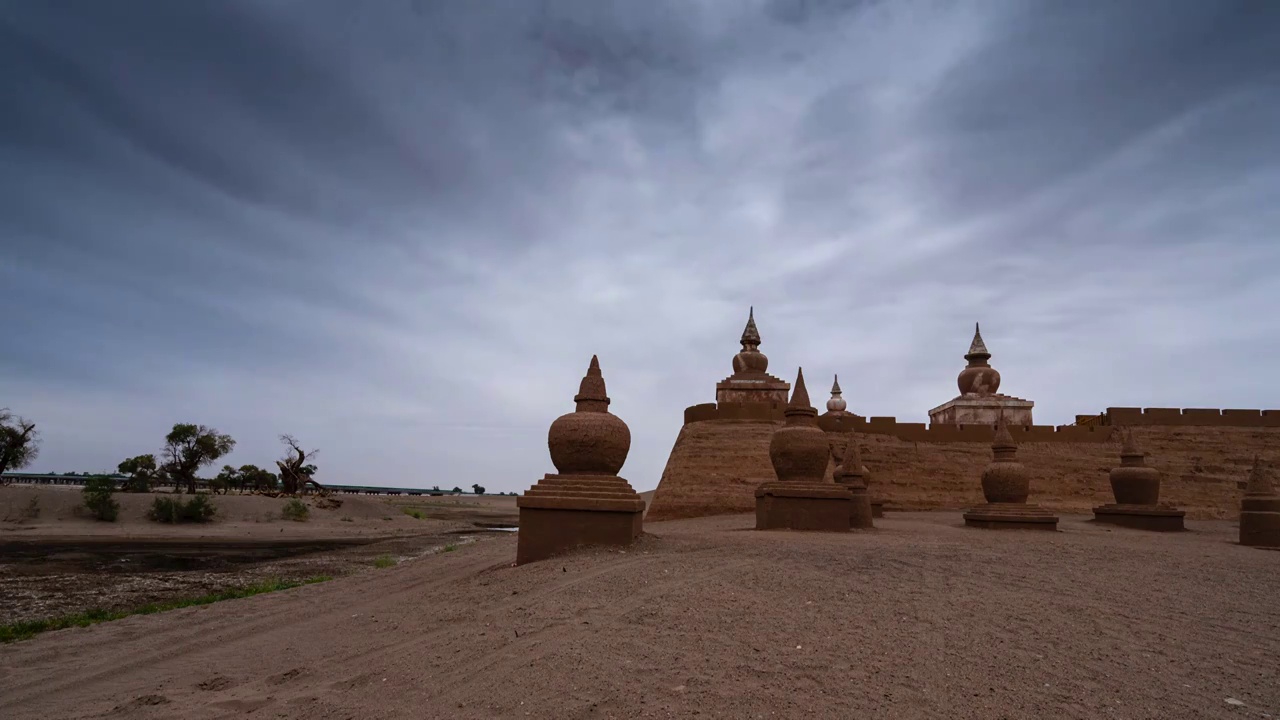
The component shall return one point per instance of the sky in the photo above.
(399, 229)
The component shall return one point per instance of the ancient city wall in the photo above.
(721, 454)
(1201, 417)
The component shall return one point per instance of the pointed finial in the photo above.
(1259, 479)
(800, 396)
(977, 347)
(591, 395)
(1003, 439)
(835, 386)
(852, 456)
(1129, 445)
(750, 335)
(849, 471)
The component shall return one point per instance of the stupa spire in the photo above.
(1259, 479)
(750, 335)
(977, 347)
(1130, 453)
(591, 395)
(1003, 444)
(749, 359)
(800, 397)
(837, 402)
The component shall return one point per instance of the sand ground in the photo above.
(919, 618)
(59, 561)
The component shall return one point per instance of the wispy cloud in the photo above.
(399, 230)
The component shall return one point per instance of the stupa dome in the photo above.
(978, 378)
(590, 440)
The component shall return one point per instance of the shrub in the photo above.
(384, 561)
(173, 510)
(97, 498)
(296, 510)
(199, 509)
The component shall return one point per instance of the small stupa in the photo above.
(750, 383)
(585, 503)
(1260, 510)
(852, 474)
(801, 498)
(1136, 488)
(979, 402)
(1005, 485)
(837, 404)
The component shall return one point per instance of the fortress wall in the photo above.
(1197, 417)
(1203, 469)
(716, 464)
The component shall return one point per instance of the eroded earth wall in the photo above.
(715, 464)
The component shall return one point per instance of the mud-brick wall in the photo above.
(1203, 469)
(715, 466)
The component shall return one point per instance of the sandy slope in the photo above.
(61, 514)
(921, 618)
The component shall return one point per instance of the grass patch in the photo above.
(31, 628)
(173, 510)
(414, 513)
(384, 561)
(450, 548)
(295, 510)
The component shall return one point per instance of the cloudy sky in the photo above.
(399, 229)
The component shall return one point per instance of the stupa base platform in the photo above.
(812, 508)
(1260, 529)
(1011, 516)
(565, 512)
(1158, 518)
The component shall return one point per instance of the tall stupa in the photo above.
(750, 383)
(979, 403)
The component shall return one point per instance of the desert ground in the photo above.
(919, 618)
(60, 561)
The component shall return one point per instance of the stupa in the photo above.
(837, 405)
(1005, 485)
(750, 383)
(1136, 488)
(838, 420)
(979, 403)
(801, 498)
(851, 474)
(1260, 510)
(585, 503)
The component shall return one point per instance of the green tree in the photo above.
(190, 447)
(254, 477)
(227, 479)
(142, 471)
(478, 489)
(19, 442)
(457, 489)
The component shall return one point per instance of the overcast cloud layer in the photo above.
(399, 230)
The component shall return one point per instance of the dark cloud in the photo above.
(399, 229)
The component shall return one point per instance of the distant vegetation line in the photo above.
(29, 629)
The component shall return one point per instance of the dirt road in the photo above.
(921, 618)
